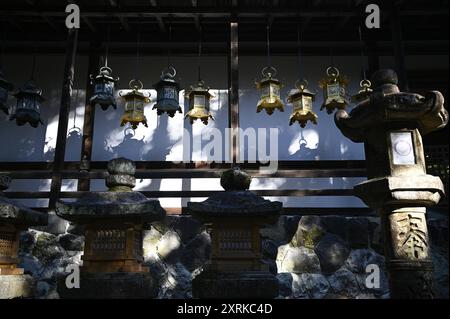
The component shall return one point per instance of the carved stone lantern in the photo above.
(113, 223)
(5, 88)
(167, 90)
(28, 107)
(391, 123)
(269, 87)
(235, 218)
(14, 218)
(104, 83)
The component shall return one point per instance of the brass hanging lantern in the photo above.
(135, 101)
(199, 97)
(269, 87)
(5, 88)
(104, 83)
(334, 90)
(302, 101)
(364, 92)
(28, 106)
(167, 90)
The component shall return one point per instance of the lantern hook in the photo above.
(365, 83)
(301, 84)
(107, 69)
(136, 84)
(170, 71)
(332, 72)
(269, 71)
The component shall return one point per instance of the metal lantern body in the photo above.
(5, 88)
(364, 92)
(104, 84)
(29, 99)
(334, 91)
(199, 97)
(302, 101)
(135, 101)
(269, 87)
(167, 89)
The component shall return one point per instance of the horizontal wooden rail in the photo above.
(163, 194)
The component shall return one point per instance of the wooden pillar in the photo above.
(399, 51)
(89, 115)
(233, 90)
(63, 119)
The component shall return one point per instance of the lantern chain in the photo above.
(138, 43)
(107, 45)
(2, 45)
(199, 53)
(362, 53)
(169, 46)
(269, 63)
(33, 65)
(299, 50)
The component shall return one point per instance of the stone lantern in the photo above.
(113, 222)
(391, 123)
(14, 219)
(235, 218)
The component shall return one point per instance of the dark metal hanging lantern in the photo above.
(302, 101)
(269, 87)
(104, 84)
(199, 97)
(333, 86)
(135, 101)
(167, 89)
(364, 92)
(29, 99)
(5, 88)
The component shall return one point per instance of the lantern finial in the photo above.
(364, 92)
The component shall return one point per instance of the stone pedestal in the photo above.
(235, 218)
(391, 123)
(113, 223)
(14, 218)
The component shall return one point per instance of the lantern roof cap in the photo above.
(199, 89)
(301, 88)
(106, 73)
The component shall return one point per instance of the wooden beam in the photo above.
(89, 24)
(162, 26)
(89, 114)
(63, 119)
(233, 91)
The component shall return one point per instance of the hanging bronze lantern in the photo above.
(199, 97)
(269, 87)
(5, 88)
(302, 101)
(104, 83)
(364, 92)
(29, 99)
(167, 90)
(334, 90)
(135, 101)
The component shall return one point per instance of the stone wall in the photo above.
(313, 257)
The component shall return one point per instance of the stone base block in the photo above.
(210, 285)
(16, 286)
(110, 286)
